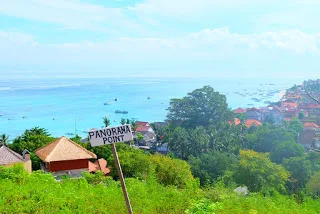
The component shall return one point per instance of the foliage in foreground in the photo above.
(41, 193)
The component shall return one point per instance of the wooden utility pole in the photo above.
(123, 184)
(111, 136)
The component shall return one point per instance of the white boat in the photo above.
(121, 112)
(11, 118)
(149, 97)
(108, 103)
(116, 99)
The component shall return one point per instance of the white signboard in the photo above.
(110, 135)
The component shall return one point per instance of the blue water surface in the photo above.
(77, 105)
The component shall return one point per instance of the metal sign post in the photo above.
(111, 136)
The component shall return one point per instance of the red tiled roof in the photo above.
(289, 104)
(235, 122)
(310, 125)
(313, 105)
(251, 122)
(142, 126)
(239, 111)
(100, 164)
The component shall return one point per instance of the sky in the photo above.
(159, 38)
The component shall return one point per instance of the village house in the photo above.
(309, 135)
(64, 156)
(163, 149)
(148, 133)
(311, 108)
(312, 126)
(306, 138)
(239, 111)
(255, 114)
(276, 114)
(250, 122)
(9, 158)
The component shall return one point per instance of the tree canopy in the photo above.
(202, 107)
(257, 172)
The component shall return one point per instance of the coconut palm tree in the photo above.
(106, 121)
(123, 121)
(4, 139)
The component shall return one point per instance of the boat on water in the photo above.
(11, 118)
(108, 103)
(256, 99)
(24, 117)
(121, 112)
(149, 97)
(116, 99)
(0, 115)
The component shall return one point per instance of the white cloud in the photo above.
(218, 48)
(70, 14)
(179, 8)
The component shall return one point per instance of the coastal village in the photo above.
(300, 101)
(65, 157)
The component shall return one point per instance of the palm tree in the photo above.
(106, 121)
(133, 125)
(123, 121)
(4, 139)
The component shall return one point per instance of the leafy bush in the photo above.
(41, 193)
(257, 172)
(173, 172)
(204, 206)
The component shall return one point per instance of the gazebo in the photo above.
(63, 156)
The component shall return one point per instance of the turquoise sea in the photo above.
(75, 105)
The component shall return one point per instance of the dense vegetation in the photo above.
(209, 158)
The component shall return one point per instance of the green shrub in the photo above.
(173, 172)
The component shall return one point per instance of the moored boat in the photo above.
(121, 112)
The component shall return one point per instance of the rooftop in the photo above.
(310, 125)
(239, 111)
(63, 149)
(251, 122)
(142, 126)
(100, 164)
(7, 156)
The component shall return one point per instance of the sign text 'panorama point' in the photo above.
(110, 135)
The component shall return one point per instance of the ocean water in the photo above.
(77, 105)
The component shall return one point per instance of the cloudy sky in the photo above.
(159, 38)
